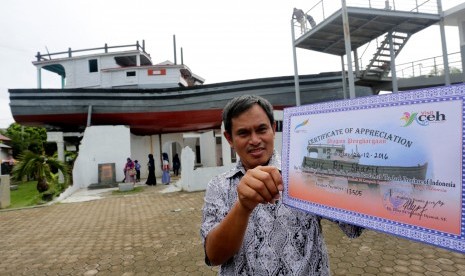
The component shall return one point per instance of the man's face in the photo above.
(252, 137)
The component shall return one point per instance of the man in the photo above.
(245, 227)
(299, 16)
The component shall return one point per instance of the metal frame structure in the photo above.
(352, 27)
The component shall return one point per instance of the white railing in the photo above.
(429, 67)
(322, 9)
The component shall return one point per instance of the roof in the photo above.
(4, 138)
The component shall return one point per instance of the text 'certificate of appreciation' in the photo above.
(392, 163)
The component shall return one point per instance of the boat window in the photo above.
(125, 61)
(93, 66)
(131, 74)
(144, 61)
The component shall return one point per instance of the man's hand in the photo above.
(259, 185)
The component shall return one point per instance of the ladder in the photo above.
(380, 65)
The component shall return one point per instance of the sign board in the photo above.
(393, 163)
(106, 173)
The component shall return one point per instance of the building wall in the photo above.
(171, 79)
(142, 79)
(82, 77)
(99, 145)
(208, 149)
(196, 179)
(141, 147)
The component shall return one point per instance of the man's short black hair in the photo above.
(239, 105)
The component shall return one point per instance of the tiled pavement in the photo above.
(154, 233)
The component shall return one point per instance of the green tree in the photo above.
(440, 72)
(26, 138)
(40, 167)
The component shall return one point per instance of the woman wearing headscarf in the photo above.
(165, 178)
(130, 171)
(151, 179)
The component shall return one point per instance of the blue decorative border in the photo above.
(438, 94)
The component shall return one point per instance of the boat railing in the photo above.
(105, 48)
(322, 9)
(429, 67)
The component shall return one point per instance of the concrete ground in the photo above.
(156, 232)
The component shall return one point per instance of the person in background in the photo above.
(165, 177)
(299, 16)
(176, 164)
(151, 179)
(137, 167)
(310, 20)
(245, 227)
(130, 171)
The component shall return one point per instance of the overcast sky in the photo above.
(221, 40)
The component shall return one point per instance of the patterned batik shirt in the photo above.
(279, 240)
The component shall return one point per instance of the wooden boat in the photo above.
(173, 101)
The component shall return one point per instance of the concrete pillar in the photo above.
(57, 137)
(187, 173)
(225, 149)
(4, 191)
(207, 149)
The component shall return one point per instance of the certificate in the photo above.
(393, 163)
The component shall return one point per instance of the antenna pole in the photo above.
(174, 46)
(182, 58)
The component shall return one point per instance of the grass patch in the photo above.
(136, 190)
(25, 195)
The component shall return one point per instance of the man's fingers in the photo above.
(267, 181)
(260, 183)
(248, 196)
(275, 174)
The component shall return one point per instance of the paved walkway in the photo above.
(157, 233)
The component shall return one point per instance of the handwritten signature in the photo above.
(421, 208)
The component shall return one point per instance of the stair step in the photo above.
(387, 49)
(381, 60)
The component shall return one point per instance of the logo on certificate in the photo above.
(423, 118)
(300, 127)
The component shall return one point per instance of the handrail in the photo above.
(41, 57)
(433, 66)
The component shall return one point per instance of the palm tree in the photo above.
(40, 167)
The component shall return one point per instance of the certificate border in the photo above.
(416, 233)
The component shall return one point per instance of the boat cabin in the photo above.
(103, 68)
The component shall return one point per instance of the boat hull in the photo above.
(154, 111)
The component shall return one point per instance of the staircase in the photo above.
(380, 65)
